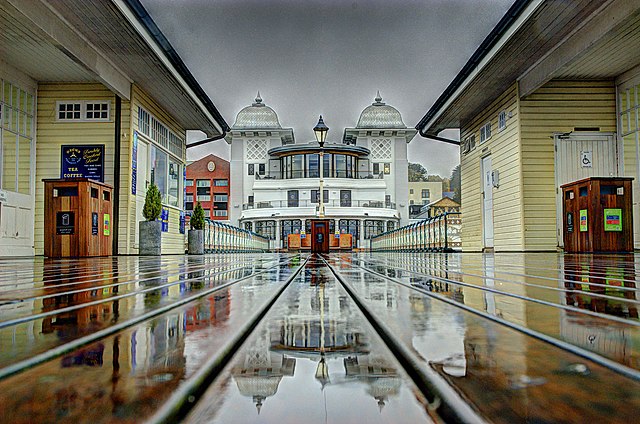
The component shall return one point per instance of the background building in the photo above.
(424, 192)
(565, 110)
(275, 182)
(208, 183)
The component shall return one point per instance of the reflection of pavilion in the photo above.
(261, 371)
(383, 381)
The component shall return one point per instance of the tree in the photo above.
(417, 172)
(197, 218)
(456, 183)
(152, 204)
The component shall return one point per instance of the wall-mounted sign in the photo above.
(106, 224)
(613, 219)
(65, 222)
(583, 220)
(164, 217)
(211, 166)
(94, 223)
(83, 161)
(134, 163)
(182, 222)
(585, 159)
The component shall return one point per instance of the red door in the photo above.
(320, 236)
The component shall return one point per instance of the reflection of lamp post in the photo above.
(320, 130)
(322, 371)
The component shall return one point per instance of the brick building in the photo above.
(208, 183)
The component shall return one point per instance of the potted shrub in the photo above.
(150, 231)
(196, 233)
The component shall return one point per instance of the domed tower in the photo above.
(255, 131)
(382, 130)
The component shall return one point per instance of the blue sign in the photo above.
(164, 216)
(86, 161)
(134, 163)
(182, 222)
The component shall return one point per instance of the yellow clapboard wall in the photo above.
(503, 146)
(51, 135)
(556, 107)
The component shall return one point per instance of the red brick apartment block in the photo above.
(208, 183)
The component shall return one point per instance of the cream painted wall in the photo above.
(51, 135)
(503, 146)
(557, 107)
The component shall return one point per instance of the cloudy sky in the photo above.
(312, 57)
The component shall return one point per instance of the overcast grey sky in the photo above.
(328, 57)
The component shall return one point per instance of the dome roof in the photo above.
(380, 115)
(258, 115)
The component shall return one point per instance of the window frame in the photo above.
(502, 120)
(485, 132)
(82, 110)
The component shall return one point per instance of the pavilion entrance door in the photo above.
(320, 236)
(579, 156)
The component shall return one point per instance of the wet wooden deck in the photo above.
(284, 337)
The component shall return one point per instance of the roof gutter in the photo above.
(207, 140)
(499, 35)
(138, 16)
(444, 140)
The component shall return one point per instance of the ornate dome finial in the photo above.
(258, 100)
(378, 99)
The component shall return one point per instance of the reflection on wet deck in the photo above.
(395, 337)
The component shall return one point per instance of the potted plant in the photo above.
(150, 231)
(196, 233)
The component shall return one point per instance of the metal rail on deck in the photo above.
(440, 233)
(224, 238)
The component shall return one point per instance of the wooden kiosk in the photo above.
(77, 218)
(598, 215)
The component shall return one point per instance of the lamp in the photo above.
(320, 130)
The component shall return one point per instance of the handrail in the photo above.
(440, 233)
(224, 238)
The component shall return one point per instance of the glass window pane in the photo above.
(24, 166)
(297, 166)
(9, 161)
(174, 183)
(7, 93)
(326, 164)
(314, 166)
(159, 171)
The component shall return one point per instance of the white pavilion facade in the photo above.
(275, 180)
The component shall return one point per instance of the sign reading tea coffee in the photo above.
(83, 161)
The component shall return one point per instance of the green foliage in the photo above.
(417, 172)
(152, 204)
(455, 184)
(197, 218)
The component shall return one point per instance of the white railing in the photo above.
(440, 233)
(220, 237)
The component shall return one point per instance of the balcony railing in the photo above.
(331, 203)
(440, 233)
(361, 175)
(220, 237)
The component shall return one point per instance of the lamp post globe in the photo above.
(320, 130)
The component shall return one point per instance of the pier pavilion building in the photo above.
(276, 180)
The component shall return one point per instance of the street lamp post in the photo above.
(320, 130)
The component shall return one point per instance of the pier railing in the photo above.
(220, 237)
(440, 233)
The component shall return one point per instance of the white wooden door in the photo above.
(142, 181)
(487, 203)
(581, 156)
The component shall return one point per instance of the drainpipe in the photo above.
(207, 140)
(115, 202)
(433, 137)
